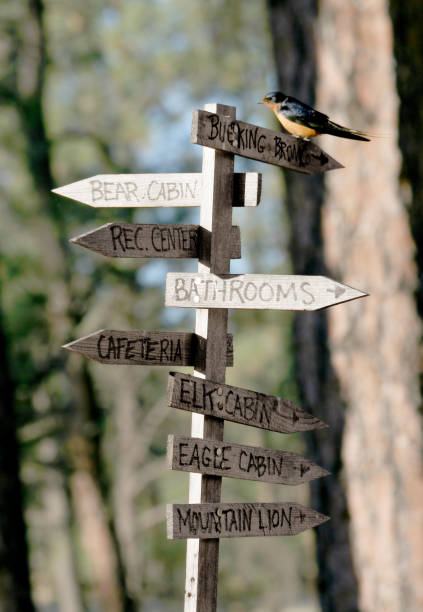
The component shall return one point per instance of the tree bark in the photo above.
(293, 26)
(15, 590)
(407, 18)
(373, 342)
(61, 551)
(86, 483)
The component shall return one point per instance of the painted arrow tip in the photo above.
(322, 471)
(94, 241)
(64, 191)
(83, 241)
(69, 346)
(80, 345)
(326, 162)
(195, 520)
(340, 291)
(79, 191)
(315, 518)
(335, 165)
(310, 468)
(72, 346)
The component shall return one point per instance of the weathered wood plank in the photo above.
(216, 220)
(256, 291)
(149, 190)
(243, 406)
(255, 142)
(165, 348)
(246, 189)
(240, 461)
(233, 520)
(149, 240)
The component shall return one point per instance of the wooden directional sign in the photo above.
(143, 240)
(240, 461)
(262, 291)
(239, 520)
(147, 190)
(261, 144)
(239, 405)
(163, 348)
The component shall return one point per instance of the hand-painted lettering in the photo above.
(311, 299)
(118, 348)
(113, 191)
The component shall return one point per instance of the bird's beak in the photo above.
(259, 102)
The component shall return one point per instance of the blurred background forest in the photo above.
(88, 87)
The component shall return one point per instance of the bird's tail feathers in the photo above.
(338, 130)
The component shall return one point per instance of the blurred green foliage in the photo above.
(114, 85)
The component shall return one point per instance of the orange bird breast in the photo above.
(296, 128)
(291, 126)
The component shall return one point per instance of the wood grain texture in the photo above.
(256, 291)
(216, 219)
(246, 189)
(163, 348)
(149, 240)
(232, 520)
(240, 461)
(151, 190)
(268, 412)
(255, 142)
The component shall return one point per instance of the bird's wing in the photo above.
(301, 113)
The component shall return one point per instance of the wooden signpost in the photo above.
(252, 291)
(239, 520)
(152, 190)
(224, 133)
(165, 348)
(147, 240)
(240, 461)
(238, 405)
(212, 291)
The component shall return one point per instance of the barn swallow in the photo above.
(303, 121)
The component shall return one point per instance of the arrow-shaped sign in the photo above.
(231, 460)
(322, 158)
(146, 240)
(256, 291)
(239, 405)
(164, 348)
(149, 190)
(337, 291)
(232, 520)
(261, 144)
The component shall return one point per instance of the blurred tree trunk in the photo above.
(61, 550)
(15, 591)
(83, 446)
(408, 47)
(293, 24)
(374, 342)
(368, 348)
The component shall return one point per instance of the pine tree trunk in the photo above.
(373, 342)
(88, 494)
(15, 591)
(407, 18)
(358, 363)
(293, 24)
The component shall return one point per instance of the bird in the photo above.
(303, 121)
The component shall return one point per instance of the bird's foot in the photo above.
(301, 137)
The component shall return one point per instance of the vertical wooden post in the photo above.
(216, 217)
